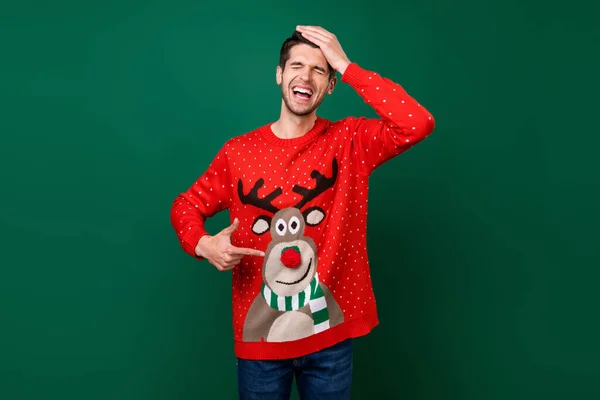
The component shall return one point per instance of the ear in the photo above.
(278, 75)
(331, 85)
(313, 216)
(261, 224)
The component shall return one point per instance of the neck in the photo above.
(290, 125)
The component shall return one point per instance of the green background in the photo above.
(483, 239)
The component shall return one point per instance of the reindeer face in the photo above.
(291, 258)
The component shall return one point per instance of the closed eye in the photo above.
(297, 65)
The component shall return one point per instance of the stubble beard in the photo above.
(288, 104)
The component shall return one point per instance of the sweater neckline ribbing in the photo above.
(270, 137)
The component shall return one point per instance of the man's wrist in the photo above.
(199, 249)
(342, 67)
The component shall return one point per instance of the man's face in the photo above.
(305, 79)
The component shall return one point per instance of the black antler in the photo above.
(253, 199)
(323, 184)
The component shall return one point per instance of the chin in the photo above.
(300, 109)
(302, 113)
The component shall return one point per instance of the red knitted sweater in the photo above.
(303, 201)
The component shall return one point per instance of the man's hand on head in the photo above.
(329, 45)
(219, 251)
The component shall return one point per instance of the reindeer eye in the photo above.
(280, 227)
(294, 225)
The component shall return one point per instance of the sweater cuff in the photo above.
(190, 240)
(353, 74)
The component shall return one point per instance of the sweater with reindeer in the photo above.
(303, 201)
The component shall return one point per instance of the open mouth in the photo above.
(302, 93)
(301, 279)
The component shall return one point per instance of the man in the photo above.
(296, 190)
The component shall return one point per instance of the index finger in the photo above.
(246, 251)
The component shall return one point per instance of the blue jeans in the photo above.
(326, 374)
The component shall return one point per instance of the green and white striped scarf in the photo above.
(313, 294)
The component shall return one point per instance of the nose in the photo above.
(290, 257)
(304, 74)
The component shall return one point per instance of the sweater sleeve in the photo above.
(403, 121)
(208, 195)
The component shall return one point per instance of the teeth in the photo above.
(301, 90)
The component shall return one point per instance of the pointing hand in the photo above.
(219, 251)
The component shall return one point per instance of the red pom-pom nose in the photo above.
(290, 257)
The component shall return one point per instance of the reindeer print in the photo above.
(292, 303)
